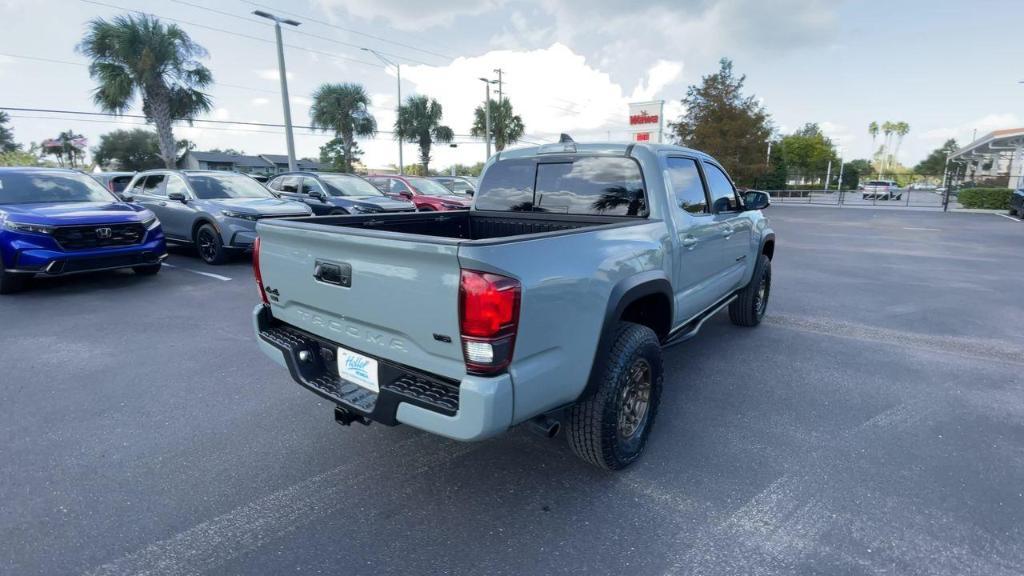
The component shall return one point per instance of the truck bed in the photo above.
(465, 225)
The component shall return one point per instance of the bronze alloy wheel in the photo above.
(636, 397)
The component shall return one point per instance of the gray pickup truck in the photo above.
(548, 303)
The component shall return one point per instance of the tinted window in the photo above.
(605, 186)
(289, 184)
(338, 185)
(214, 186)
(507, 185)
(119, 183)
(429, 187)
(684, 177)
(152, 186)
(723, 195)
(40, 186)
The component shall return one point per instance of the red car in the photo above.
(426, 194)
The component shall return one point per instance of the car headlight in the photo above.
(151, 222)
(242, 215)
(361, 210)
(24, 227)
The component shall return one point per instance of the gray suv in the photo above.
(214, 210)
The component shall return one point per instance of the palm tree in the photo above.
(342, 108)
(419, 122)
(873, 131)
(887, 128)
(141, 56)
(901, 129)
(506, 126)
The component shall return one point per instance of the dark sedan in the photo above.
(336, 193)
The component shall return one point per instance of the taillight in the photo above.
(488, 320)
(256, 270)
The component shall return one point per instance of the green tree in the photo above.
(935, 163)
(463, 170)
(723, 122)
(419, 122)
(808, 151)
(7, 143)
(334, 157)
(132, 150)
(506, 126)
(853, 171)
(20, 158)
(140, 56)
(68, 148)
(343, 109)
(228, 151)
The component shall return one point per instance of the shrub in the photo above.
(988, 198)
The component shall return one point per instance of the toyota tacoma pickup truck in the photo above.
(548, 303)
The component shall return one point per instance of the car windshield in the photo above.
(429, 187)
(216, 186)
(338, 185)
(38, 186)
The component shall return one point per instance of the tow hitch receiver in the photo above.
(346, 418)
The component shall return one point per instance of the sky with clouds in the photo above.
(947, 68)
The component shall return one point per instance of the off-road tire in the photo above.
(147, 270)
(11, 283)
(214, 254)
(750, 305)
(594, 422)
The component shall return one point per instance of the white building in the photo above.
(995, 159)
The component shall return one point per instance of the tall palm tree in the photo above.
(887, 129)
(873, 131)
(141, 56)
(419, 122)
(342, 108)
(901, 129)
(506, 126)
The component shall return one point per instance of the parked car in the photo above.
(213, 210)
(881, 190)
(55, 222)
(1017, 203)
(548, 303)
(335, 193)
(261, 178)
(426, 194)
(116, 182)
(457, 184)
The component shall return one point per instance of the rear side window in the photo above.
(596, 185)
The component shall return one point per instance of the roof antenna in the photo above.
(564, 138)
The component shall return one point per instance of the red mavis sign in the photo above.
(643, 118)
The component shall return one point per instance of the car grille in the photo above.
(99, 235)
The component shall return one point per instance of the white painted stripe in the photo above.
(207, 274)
(925, 229)
(1010, 217)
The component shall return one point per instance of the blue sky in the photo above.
(946, 68)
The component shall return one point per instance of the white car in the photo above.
(881, 190)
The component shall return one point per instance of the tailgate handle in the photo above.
(331, 273)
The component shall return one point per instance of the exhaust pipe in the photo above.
(546, 426)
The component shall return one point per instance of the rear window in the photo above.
(596, 185)
(879, 183)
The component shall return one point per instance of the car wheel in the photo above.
(11, 283)
(209, 245)
(610, 427)
(147, 270)
(752, 302)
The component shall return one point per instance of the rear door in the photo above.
(385, 296)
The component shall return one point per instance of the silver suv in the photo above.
(213, 210)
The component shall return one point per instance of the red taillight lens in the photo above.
(256, 270)
(488, 320)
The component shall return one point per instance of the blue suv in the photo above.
(55, 222)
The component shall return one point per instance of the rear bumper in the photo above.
(471, 409)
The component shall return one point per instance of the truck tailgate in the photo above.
(393, 298)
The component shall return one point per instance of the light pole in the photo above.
(487, 115)
(398, 71)
(284, 82)
(453, 163)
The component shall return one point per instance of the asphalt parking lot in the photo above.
(873, 424)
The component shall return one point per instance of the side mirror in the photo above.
(319, 195)
(127, 197)
(757, 200)
(407, 195)
(177, 197)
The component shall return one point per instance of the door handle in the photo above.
(689, 242)
(727, 232)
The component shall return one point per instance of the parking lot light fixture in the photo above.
(290, 138)
(398, 72)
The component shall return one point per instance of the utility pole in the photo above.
(398, 72)
(768, 158)
(828, 175)
(487, 115)
(499, 71)
(284, 82)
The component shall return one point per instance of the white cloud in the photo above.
(272, 74)
(221, 114)
(839, 134)
(663, 73)
(259, 101)
(966, 132)
(406, 15)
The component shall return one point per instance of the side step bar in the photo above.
(690, 329)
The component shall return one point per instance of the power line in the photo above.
(233, 33)
(299, 32)
(308, 18)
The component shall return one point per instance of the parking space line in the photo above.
(924, 229)
(1010, 217)
(207, 274)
